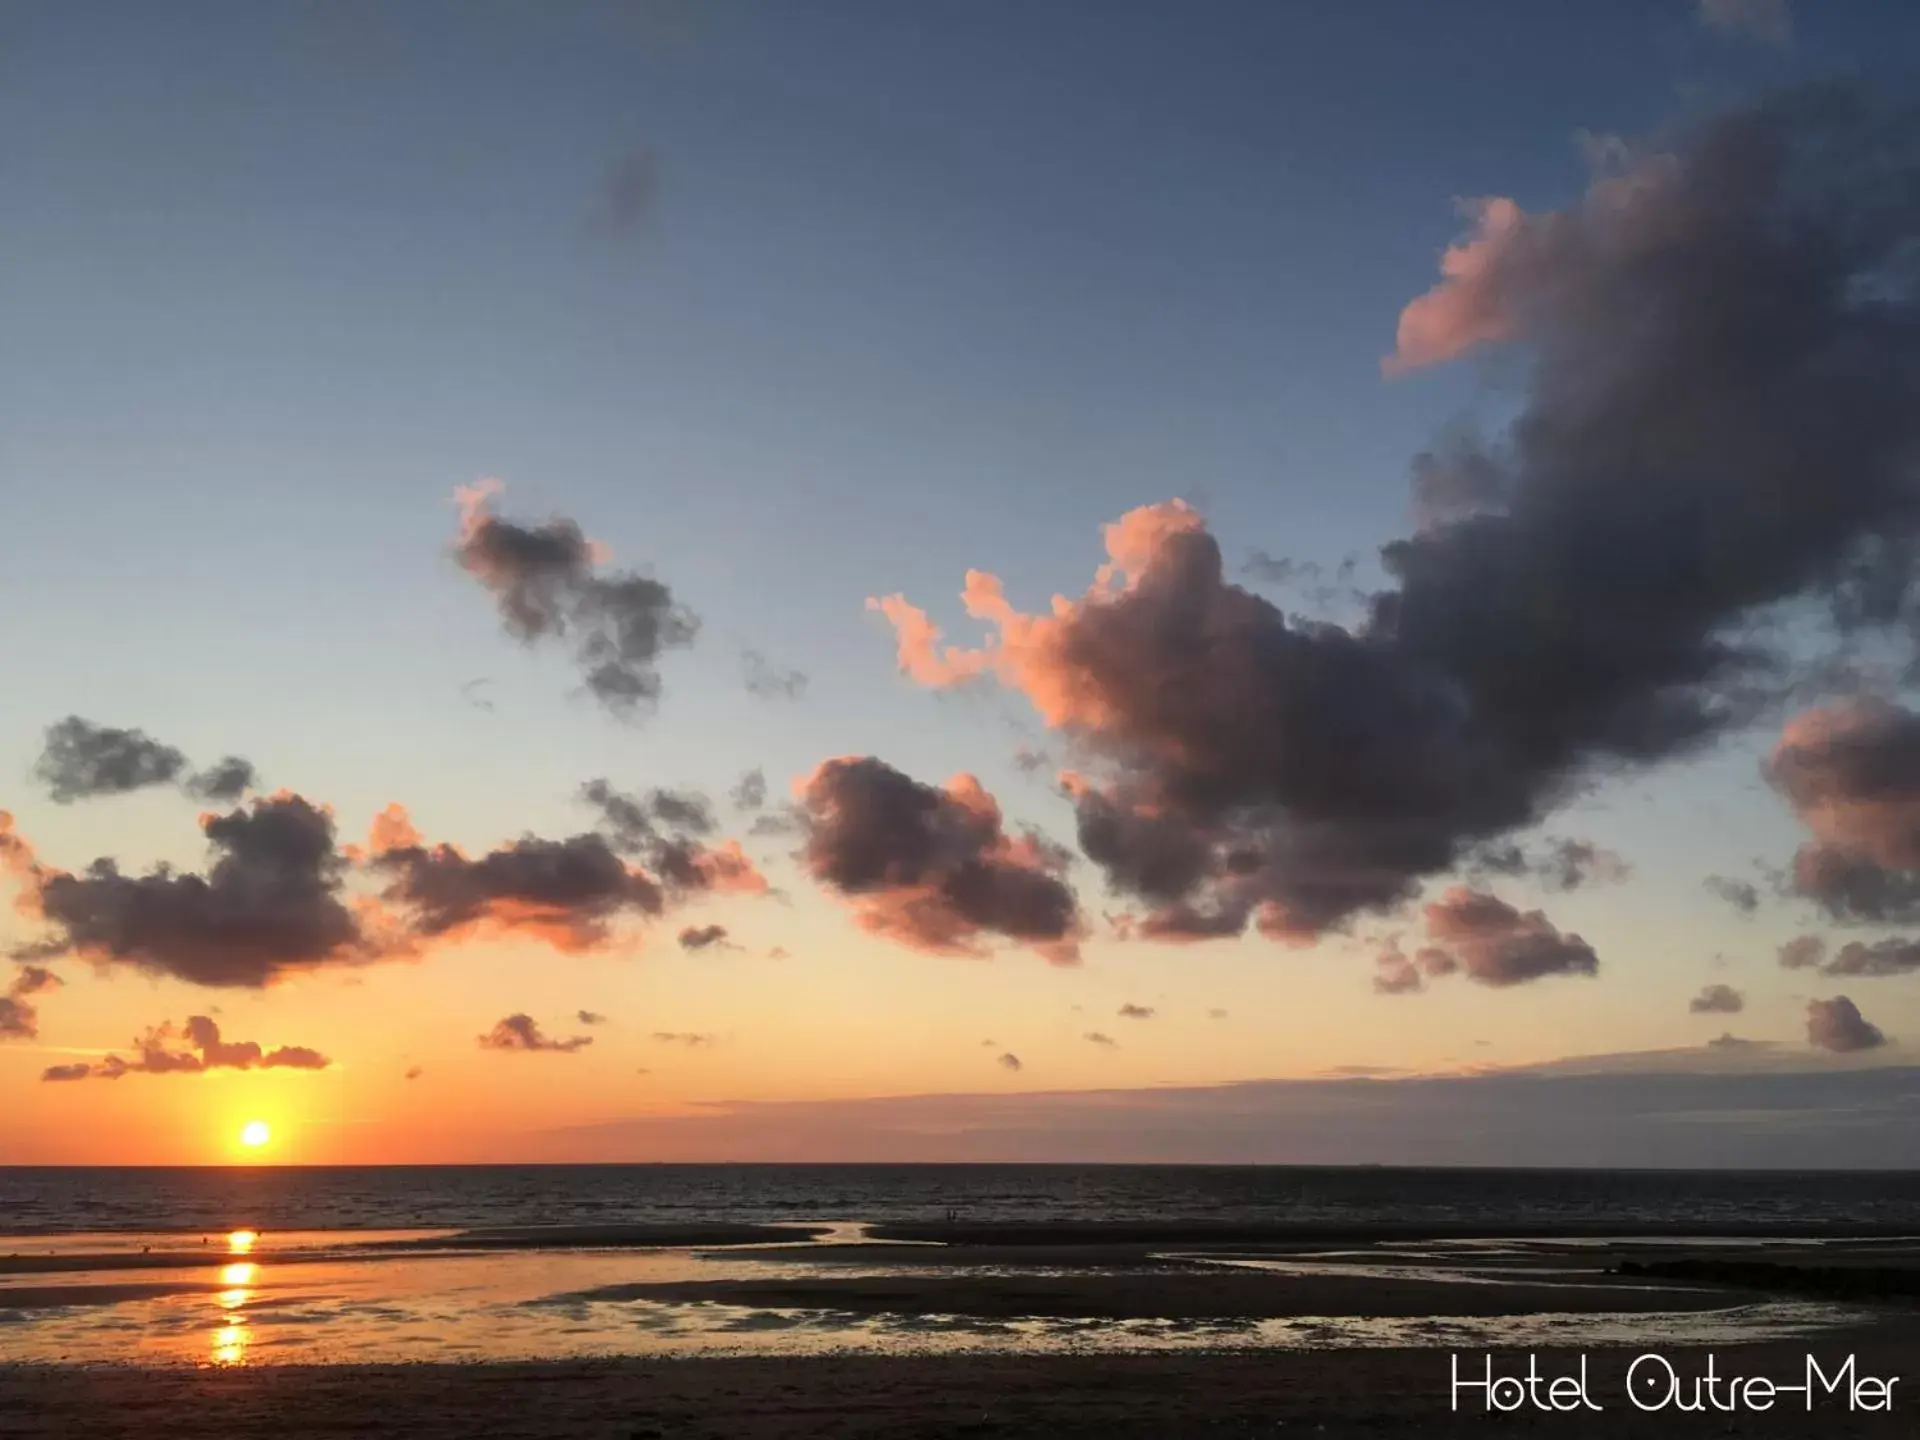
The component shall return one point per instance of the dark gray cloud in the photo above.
(1719, 363)
(1009, 1061)
(1561, 864)
(522, 1032)
(934, 868)
(702, 937)
(1742, 895)
(269, 904)
(543, 579)
(1496, 944)
(1838, 1025)
(1130, 1011)
(750, 792)
(1717, 1000)
(770, 681)
(590, 1017)
(1097, 1037)
(158, 1052)
(224, 781)
(81, 760)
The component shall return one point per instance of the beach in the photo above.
(1360, 1393)
(931, 1330)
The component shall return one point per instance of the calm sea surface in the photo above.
(39, 1201)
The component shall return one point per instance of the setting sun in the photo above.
(255, 1134)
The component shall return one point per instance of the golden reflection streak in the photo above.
(230, 1344)
(240, 1242)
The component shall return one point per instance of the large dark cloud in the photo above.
(1838, 1025)
(157, 1053)
(544, 579)
(1496, 944)
(80, 760)
(934, 868)
(269, 904)
(1720, 350)
(522, 1032)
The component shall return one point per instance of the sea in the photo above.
(474, 1264)
(52, 1200)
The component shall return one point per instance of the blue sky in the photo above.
(921, 287)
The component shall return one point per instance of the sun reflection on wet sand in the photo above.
(230, 1343)
(241, 1242)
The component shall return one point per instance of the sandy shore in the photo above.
(1349, 1393)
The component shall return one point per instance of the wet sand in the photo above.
(1352, 1393)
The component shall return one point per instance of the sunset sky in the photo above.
(980, 422)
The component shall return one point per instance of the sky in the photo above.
(1252, 581)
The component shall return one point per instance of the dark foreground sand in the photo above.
(1320, 1394)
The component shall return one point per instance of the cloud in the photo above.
(1768, 21)
(701, 937)
(1739, 1107)
(1009, 1061)
(1742, 895)
(692, 1040)
(778, 952)
(1802, 952)
(414, 1072)
(20, 1020)
(1704, 327)
(570, 893)
(1498, 945)
(589, 1017)
(934, 867)
(522, 1032)
(1095, 1037)
(1851, 772)
(1838, 1025)
(155, 1053)
(1216, 1013)
(1130, 1011)
(81, 760)
(1889, 956)
(628, 192)
(269, 904)
(750, 792)
(224, 781)
(1397, 974)
(1717, 1000)
(770, 681)
(543, 579)
(1564, 865)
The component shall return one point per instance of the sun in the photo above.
(254, 1134)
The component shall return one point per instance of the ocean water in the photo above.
(44, 1201)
